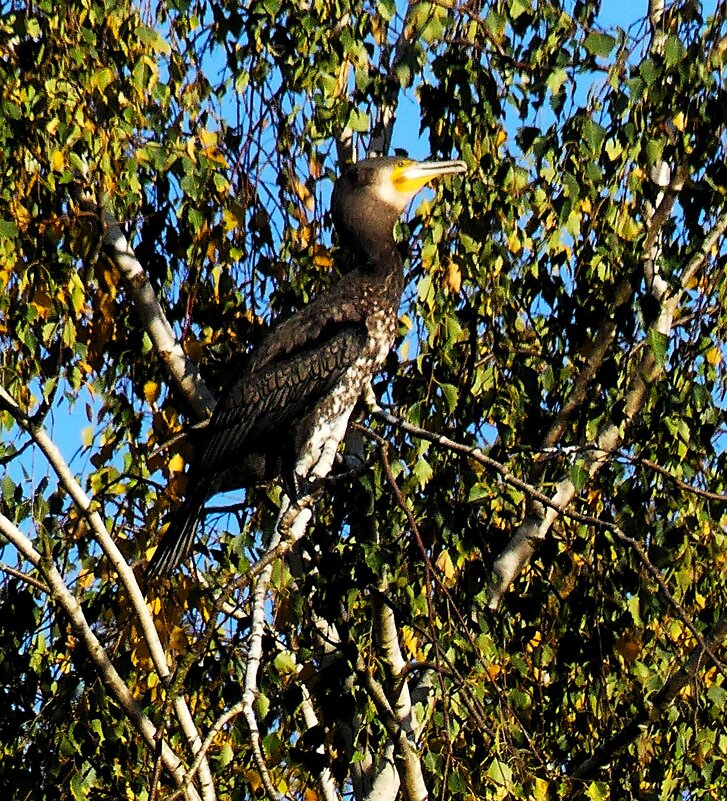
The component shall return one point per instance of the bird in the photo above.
(287, 411)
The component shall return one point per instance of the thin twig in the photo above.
(18, 574)
(679, 609)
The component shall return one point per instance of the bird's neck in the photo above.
(379, 257)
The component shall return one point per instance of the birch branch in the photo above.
(90, 512)
(292, 523)
(361, 770)
(408, 759)
(180, 368)
(386, 784)
(388, 638)
(104, 666)
(395, 664)
(325, 777)
(531, 532)
(254, 658)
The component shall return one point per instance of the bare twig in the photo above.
(18, 574)
(477, 455)
(683, 485)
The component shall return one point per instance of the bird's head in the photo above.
(371, 194)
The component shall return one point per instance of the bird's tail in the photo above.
(179, 536)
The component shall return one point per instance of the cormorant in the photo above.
(288, 411)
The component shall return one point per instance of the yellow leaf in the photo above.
(42, 303)
(151, 391)
(253, 780)
(493, 671)
(302, 236)
(178, 639)
(57, 161)
(629, 647)
(321, 257)
(409, 641)
(500, 137)
(445, 564)
(176, 463)
(155, 605)
(453, 278)
(714, 356)
(680, 121)
(20, 214)
(304, 194)
(208, 138)
(231, 219)
(513, 242)
(540, 791)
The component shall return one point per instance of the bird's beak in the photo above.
(414, 175)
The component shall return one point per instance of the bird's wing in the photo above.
(315, 324)
(271, 397)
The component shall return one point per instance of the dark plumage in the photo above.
(287, 412)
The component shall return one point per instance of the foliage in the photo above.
(564, 295)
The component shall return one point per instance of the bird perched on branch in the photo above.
(287, 412)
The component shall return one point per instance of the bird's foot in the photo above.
(368, 396)
(348, 465)
(299, 488)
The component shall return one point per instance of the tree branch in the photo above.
(531, 532)
(58, 590)
(90, 512)
(411, 769)
(180, 368)
(292, 522)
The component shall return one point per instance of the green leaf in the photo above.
(451, 394)
(262, 705)
(599, 44)
(650, 71)
(674, 51)
(594, 134)
(519, 7)
(658, 343)
(358, 121)
(579, 476)
(500, 773)
(422, 471)
(153, 40)
(8, 229)
(226, 755)
(8, 489)
(598, 791)
(477, 492)
(285, 662)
